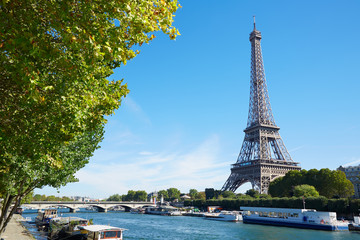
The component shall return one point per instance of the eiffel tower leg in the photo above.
(265, 181)
(234, 181)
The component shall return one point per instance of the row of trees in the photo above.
(328, 183)
(168, 195)
(211, 193)
(55, 61)
(51, 198)
(130, 196)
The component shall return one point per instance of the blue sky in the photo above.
(182, 123)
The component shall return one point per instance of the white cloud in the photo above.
(199, 168)
(353, 163)
(121, 137)
(296, 149)
(133, 107)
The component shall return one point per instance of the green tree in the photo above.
(28, 198)
(193, 193)
(201, 196)
(164, 194)
(115, 197)
(55, 60)
(275, 187)
(38, 197)
(173, 193)
(305, 190)
(210, 193)
(51, 198)
(228, 194)
(322, 182)
(140, 196)
(252, 193)
(65, 199)
(342, 187)
(327, 182)
(130, 196)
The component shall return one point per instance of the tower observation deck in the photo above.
(263, 156)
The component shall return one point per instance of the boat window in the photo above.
(296, 215)
(110, 234)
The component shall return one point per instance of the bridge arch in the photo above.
(101, 206)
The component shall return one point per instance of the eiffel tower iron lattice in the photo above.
(263, 156)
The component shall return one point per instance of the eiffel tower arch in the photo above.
(263, 156)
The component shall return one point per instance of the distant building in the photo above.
(80, 199)
(353, 174)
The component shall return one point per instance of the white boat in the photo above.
(99, 232)
(163, 210)
(298, 218)
(229, 216)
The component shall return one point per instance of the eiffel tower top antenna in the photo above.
(254, 23)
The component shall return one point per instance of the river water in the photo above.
(151, 227)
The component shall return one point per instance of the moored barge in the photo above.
(298, 218)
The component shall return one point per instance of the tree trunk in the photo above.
(4, 217)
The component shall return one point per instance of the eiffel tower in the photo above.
(263, 155)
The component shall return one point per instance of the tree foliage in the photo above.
(193, 193)
(305, 191)
(173, 193)
(201, 196)
(210, 193)
(38, 197)
(327, 182)
(55, 58)
(252, 193)
(130, 196)
(115, 197)
(228, 194)
(163, 193)
(140, 196)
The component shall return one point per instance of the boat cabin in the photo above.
(46, 215)
(100, 232)
(163, 210)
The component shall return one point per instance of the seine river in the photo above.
(148, 227)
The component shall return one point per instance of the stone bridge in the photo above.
(74, 206)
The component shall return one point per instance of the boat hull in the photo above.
(325, 227)
(225, 217)
(353, 227)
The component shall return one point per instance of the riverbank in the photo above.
(16, 231)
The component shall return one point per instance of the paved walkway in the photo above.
(16, 231)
